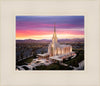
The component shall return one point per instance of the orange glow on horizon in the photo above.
(59, 36)
(38, 35)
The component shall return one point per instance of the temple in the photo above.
(56, 51)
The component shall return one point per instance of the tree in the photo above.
(22, 54)
(34, 55)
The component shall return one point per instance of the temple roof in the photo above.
(56, 58)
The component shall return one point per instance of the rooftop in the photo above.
(56, 58)
(45, 54)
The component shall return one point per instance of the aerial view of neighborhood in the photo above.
(49, 43)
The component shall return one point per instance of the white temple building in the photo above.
(56, 51)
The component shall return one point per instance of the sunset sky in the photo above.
(42, 27)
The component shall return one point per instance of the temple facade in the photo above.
(55, 48)
(56, 51)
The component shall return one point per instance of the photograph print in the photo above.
(49, 43)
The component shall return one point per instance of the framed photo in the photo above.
(46, 43)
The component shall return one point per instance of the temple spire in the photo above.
(54, 39)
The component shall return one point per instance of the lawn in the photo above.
(74, 62)
(25, 61)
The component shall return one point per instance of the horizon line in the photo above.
(48, 39)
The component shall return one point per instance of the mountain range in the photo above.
(48, 41)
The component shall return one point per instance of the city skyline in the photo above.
(41, 27)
